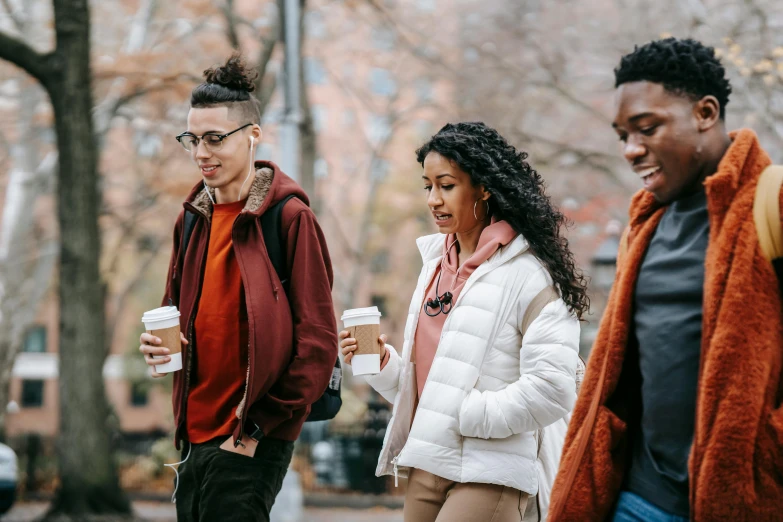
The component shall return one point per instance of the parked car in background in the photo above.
(8, 478)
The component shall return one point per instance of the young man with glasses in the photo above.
(256, 355)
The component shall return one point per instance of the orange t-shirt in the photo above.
(221, 346)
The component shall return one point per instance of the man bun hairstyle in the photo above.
(683, 66)
(230, 85)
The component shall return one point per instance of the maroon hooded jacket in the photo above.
(292, 337)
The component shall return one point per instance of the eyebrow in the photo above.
(439, 176)
(635, 118)
(208, 132)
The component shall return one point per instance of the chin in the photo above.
(215, 183)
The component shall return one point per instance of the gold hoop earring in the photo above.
(486, 214)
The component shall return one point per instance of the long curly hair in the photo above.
(518, 197)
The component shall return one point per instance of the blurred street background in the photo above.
(161, 512)
(378, 78)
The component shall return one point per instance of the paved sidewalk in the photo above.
(164, 512)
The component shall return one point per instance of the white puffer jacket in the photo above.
(490, 390)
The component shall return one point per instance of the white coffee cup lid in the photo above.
(370, 311)
(160, 314)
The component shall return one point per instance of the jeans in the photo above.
(218, 485)
(633, 508)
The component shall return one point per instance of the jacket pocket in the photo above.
(606, 455)
(774, 433)
(610, 428)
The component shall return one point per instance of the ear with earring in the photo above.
(486, 213)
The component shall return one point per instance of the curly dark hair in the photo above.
(684, 67)
(230, 85)
(518, 197)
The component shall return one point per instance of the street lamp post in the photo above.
(293, 111)
(604, 269)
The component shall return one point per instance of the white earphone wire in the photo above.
(208, 193)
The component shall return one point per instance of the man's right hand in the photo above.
(151, 346)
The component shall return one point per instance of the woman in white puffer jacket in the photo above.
(491, 343)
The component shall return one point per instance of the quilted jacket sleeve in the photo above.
(387, 383)
(546, 389)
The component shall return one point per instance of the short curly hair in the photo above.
(518, 197)
(682, 66)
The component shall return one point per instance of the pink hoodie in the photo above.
(452, 279)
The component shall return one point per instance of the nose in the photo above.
(201, 151)
(633, 150)
(434, 200)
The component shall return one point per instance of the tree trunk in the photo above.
(308, 140)
(89, 483)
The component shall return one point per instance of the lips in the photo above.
(650, 176)
(208, 170)
(441, 218)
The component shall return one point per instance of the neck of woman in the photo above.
(467, 241)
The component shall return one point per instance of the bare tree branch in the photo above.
(17, 21)
(105, 112)
(118, 303)
(231, 23)
(267, 78)
(37, 65)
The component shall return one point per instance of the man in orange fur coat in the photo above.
(680, 416)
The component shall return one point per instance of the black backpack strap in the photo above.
(327, 406)
(271, 222)
(187, 230)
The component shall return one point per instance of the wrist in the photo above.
(385, 358)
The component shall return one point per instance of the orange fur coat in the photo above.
(736, 462)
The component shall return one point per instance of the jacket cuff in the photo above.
(389, 376)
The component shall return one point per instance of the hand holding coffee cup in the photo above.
(364, 329)
(155, 353)
(348, 345)
(162, 343)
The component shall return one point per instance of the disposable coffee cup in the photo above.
(364, 324)
(163, 323)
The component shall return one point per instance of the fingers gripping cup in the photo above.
(164, 324)
(365, 326)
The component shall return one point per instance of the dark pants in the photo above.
(216, 484)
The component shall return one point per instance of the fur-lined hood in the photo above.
(269, 186)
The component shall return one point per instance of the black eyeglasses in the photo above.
(212, 140)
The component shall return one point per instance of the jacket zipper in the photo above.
(396, 458)
(190, 337)
(473, 277)
(243, 403)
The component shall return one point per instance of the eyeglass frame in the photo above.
(200, 138)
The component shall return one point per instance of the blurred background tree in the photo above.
(381, 76)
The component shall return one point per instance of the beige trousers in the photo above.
(434, 499)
